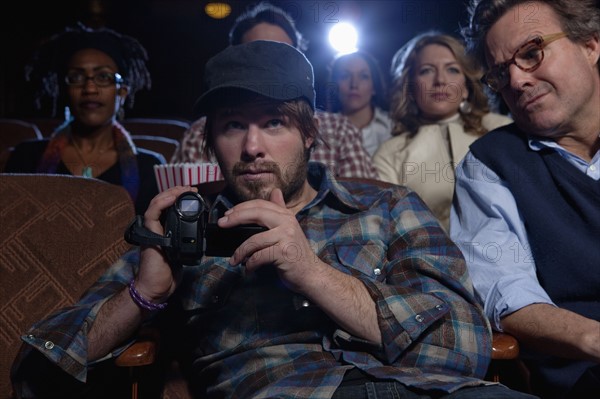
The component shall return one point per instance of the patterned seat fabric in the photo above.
(58, 234)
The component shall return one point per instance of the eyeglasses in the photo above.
(102, 79)
(527, 58)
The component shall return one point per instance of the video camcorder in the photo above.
(188, 235)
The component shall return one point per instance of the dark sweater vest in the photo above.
(560, 207)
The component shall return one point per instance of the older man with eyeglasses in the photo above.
(526, 210)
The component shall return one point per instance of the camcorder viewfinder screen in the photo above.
(189, 207)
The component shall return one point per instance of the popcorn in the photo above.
(186, 174)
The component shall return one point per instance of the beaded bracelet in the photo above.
(141, 301)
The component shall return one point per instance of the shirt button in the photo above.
(215, 298)
(377, 271)
(419, 318)
(49, 345)
(593, 167)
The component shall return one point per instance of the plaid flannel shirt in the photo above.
(341, 150)
(247, 335)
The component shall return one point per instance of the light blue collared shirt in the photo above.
(487, 226)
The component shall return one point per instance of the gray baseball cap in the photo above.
(272, 69)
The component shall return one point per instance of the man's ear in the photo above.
(310, 141)
(592, 48)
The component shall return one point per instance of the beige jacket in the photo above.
(424, 163)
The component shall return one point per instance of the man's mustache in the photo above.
(251, 167)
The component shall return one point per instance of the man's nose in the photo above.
(517, 78)
(253, 142)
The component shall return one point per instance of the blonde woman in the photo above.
(439, 108)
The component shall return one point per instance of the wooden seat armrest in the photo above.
(142, 352)
(504, 346)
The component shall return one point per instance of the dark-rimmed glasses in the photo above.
(102, 79)
(527, 58)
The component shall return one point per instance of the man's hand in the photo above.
(284, 245)
(341, 296)
(155, 280)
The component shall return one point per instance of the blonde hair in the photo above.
(403, 107)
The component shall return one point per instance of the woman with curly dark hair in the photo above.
(92, 72)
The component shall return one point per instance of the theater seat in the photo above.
(12, 132)
(170, 128)
(59, 234)
(163, 145)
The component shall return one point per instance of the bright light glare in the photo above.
(343, 38)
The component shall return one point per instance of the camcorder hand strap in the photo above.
(138, 234)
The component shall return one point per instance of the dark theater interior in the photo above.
(180, 37)
(440, 243)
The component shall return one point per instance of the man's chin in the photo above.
(252, 190)
(541, 125)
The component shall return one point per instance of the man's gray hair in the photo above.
(579, 19)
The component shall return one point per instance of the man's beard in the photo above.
(290, 180)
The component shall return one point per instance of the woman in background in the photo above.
(92, 73)
(358, 92)
(439, 108)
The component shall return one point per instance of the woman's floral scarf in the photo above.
(130, 178)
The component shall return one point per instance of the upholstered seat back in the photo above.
(58, 234)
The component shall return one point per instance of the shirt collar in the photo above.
(381, 117)
(329, 188)
(538, 144)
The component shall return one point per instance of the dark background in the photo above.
(180, 38)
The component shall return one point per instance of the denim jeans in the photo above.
(394, 390)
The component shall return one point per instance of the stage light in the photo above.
(343, 38)
(217, 10)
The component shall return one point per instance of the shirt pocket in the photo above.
(217, 315)
(361, 259)
(208, 287)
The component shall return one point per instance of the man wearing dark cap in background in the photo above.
(341, 142)
(351, 290)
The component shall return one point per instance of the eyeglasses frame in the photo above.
(540, 41)
(117, 79)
